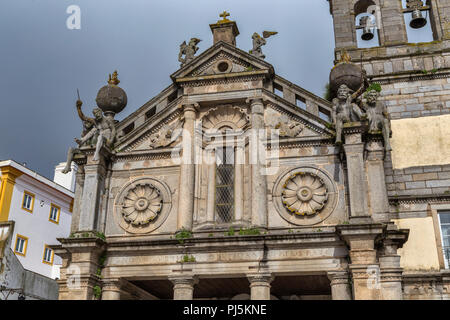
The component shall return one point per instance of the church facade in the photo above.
(220, 187)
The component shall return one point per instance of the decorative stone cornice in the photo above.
(413, 199)
(223, 79)
(289, 143)
(146, 155)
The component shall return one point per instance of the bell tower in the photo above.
(416, 71)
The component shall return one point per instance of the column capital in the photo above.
(186, 107)
(338, 277)
(260, 277)
(184, 280)
(257, 104)
(183, 286)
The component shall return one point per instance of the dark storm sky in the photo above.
(42, 62)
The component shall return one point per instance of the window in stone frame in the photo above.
(224, 201)
(444, 222)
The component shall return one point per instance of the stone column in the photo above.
(239, 183)
(340, 285)
(378, 198)
(183, 287)
(80, 263)
(364, 267)
(187, 171)
(390, 270)
(356, 175)
(259, 183)
(260, 286)
(111, 289)
(94, 181)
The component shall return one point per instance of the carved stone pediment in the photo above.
(222, 63)
(222, 59)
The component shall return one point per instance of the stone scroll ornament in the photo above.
(142, 204)
(304, 193)
(166, 135)
(287, 128)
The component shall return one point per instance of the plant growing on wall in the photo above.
(182, 235)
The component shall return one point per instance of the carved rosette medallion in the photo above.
(304, 193)
(142, 204)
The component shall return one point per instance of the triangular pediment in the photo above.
(222, 59)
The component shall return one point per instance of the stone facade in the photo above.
(168, 215)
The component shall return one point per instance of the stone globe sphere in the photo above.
(346, 73)
(111, 98)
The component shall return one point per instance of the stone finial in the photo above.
(224, 30)
(114, 80)
(224, 15)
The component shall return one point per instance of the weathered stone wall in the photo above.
(417, 98)
(418, 181)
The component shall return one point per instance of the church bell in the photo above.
(418, 21)
(367, 28)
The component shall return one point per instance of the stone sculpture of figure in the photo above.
(344, 109)
(378, 117)
(188, 50)
(88, 124)
(259, 41)
(105, 130)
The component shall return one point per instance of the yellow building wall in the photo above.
(420, 251)
(420, 141)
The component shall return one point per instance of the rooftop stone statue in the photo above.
(188, 50)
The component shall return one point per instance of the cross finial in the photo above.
(224, 15)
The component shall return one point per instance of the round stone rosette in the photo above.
(142, 205)
(304, 195)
